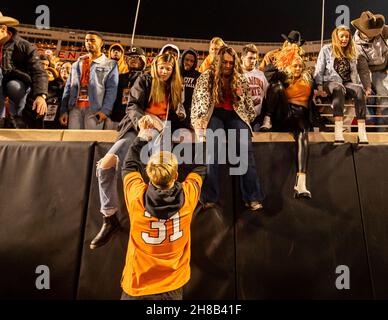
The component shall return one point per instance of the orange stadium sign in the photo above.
(64, 55)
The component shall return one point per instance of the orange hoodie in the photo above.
(123, 66)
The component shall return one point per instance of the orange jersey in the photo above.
(158, 256)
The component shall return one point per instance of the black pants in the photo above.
(297, 123)
(340, 92)
(288, 117)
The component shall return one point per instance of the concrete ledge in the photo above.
(110, 136)
(373, 137)
(30, 135)
(90, 135)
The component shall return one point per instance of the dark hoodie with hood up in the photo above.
(126, 81)
(189, 79)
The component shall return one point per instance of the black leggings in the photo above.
(288, 117)
(336, 90)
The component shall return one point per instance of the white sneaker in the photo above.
(267, 124)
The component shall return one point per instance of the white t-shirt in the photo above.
(258, 86)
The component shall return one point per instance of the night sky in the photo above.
(242, 20)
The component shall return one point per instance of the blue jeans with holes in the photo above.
(249, 182)
(107, 178)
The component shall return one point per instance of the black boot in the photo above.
(109, 227)
(17, 122)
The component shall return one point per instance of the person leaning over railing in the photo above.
(336, 74)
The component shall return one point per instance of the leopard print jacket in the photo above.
(202, 104)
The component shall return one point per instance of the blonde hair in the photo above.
(349, 52)
(172, 89)
(162, 168)
(306, 76)
(217, 41)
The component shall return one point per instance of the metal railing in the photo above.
(368, 115)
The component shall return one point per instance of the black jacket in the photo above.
(126, 81)
(138, 103)
(189, 79)
(20, 62)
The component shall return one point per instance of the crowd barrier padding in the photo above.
(49, 213)
(42, 213)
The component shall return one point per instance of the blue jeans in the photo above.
(380, 82)
(249, 182)
(84, 118)
(107, 178)
(17, 93)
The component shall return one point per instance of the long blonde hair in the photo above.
(305, 75)
(217, 92)
(172, 88)
(349, 52)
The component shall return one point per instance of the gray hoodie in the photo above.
(372, 56)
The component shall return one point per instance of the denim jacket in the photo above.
(325, 72)
(102, 90)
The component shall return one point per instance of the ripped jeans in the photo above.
(107, 178)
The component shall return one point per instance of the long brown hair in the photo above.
(172, 88)
(217, 92)
(349, 52)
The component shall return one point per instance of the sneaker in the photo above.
(254, 205)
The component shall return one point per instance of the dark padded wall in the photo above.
(49, 212)
(42, 207)
(213, 248)
(213, 254)
(292, 249)
(101, 268)
(372, 174)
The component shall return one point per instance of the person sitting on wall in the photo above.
(24, 81)
(157, 93)
(294, 104)
(336, 74)
(222, 101)
(293, 43)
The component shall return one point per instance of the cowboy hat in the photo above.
(8, 21)
(369, 24)
(294, 37)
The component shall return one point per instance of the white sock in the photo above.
(362, 132)
(338, 131)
